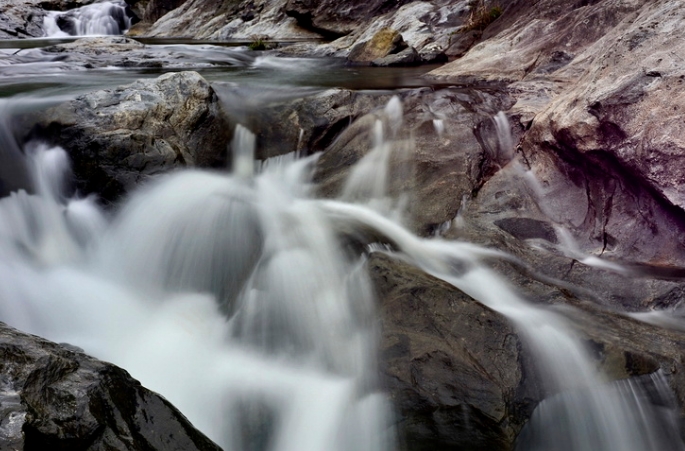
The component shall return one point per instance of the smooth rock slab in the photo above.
(52, 398)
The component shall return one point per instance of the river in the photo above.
(234, 295)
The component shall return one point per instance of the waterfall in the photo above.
(228, 294)
(232, 295)
(103, 18)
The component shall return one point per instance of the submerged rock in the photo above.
(54, 398)
(117, 138)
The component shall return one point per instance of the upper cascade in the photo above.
(103, 18)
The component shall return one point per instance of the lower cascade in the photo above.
(244, 299)
(103, 18)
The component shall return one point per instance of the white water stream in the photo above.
(231, 295)
(102, 18)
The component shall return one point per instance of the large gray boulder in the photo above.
(52, 397)
(118, 138)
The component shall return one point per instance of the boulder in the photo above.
(118, 138)
(21, 19)
(406, 57)
(56, 397)
(386, 42)
(451, 151)
(455, 369)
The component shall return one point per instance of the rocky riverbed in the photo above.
(553, 134)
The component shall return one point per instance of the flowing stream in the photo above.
(233, 295)
(103, 18)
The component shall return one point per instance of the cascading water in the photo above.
(232, 295)
(299, 338)
(103, 18)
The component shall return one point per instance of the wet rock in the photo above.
(119, 51)
(452, 151)
(118, 138)
(306, 124)
(55, 398)
(386, 42)
(454, 368)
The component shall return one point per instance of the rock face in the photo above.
(118, 138)
(55, 398)
(338, 18)
(430, 27)
(597, 101)
(232, 19)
